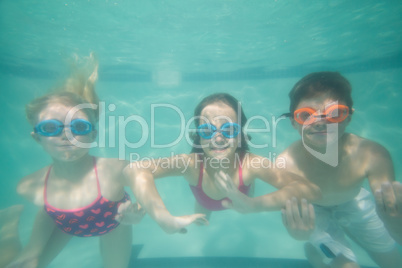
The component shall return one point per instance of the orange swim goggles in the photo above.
(335, 113)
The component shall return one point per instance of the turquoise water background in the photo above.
(177, 52)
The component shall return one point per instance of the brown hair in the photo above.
(320, 82)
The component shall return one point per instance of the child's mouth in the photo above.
(66, 146)
(219, 149)
(320, 133)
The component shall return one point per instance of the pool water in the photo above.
(158, 59)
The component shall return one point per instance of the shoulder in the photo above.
(176, 163)
(31, 187)
(365, 148)
(190, 165)
(372, 147)
(115, 163)
(289, 158)
(111, 169)
(192, 158)
(368, 155)
(185, 161)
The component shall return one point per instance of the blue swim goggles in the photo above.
(228, 130)
(53, 127)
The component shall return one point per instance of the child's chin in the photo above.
(219, 154)
(70, 156)
(321, 143)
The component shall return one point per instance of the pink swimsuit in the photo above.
(93, 220)
(209, 203)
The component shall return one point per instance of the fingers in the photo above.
(119, 218)
(388, 198)
(220, 185)
(283, 214)
(138, 209)
(129, 213)
(124, 207)
(121, 210)
(296, 213)
(220, 182)
(224, 182)
(398, 195)
(183, 221)
(202, 220)
(289, 214)
(305, 212)
(311, 223)
(229, 182)
(378, 199)
(227, 204)
(292, 216)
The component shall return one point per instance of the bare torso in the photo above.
(338, 184)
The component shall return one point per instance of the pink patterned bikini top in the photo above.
(212, 204)
(93, 220)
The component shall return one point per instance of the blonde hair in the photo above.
(79, 88)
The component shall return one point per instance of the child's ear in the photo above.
(348, 119)
(350, 115)
(294, 123)
(35, 136)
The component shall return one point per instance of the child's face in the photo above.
(321, 132)
(61, 146)
(219, 146)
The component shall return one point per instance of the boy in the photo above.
(338, 163)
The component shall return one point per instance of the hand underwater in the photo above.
(299, 223)
(238, 201)
(389, 208)
(129, 213)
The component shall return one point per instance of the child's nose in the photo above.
(320, 124)
(219, 137)
(65, 133)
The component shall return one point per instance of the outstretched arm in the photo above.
(141, 181)
(288, 184)
(387, 192)
(268, 202)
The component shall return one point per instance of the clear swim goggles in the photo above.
(54, 127)
(335, 113)
(228, 130)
